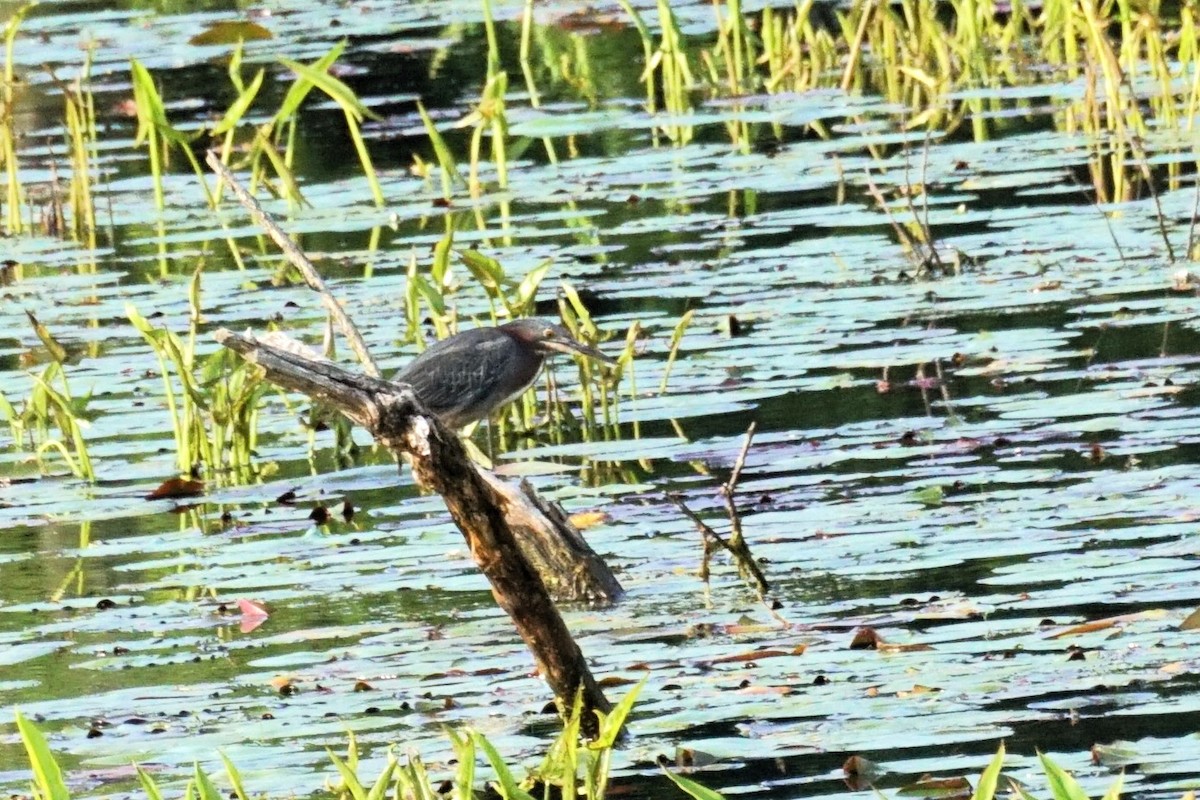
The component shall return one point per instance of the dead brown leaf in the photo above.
(1109, 622)
(177, 487)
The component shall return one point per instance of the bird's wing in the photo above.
(461, 374)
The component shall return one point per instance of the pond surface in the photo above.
(972, 460)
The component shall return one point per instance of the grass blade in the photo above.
(47, 775)
(986, 789)
(692, 788)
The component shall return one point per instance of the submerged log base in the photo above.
(478, 505)
(569, 567)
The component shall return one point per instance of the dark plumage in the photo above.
(475, 373)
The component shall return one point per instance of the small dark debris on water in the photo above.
(686, 757)
(944, 788)
(347, 511)
(106, 604)
(287, 498)
(859, 772)
(865, 639)
(908, 439)
(735, 327)
(441, 202)
(177, 487)
(820, 680)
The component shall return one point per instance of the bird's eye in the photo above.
(549, 333)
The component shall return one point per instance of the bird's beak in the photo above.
(572, 347)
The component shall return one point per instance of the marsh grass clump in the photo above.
(271, 144)
(572, 768)
(14, 196)
(79, 114)
(51, 420)
(268, 150)
(213, 401)
(51, 406)
(1138, 62)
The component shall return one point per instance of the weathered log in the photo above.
(490, 514)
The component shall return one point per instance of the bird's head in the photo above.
(547, 338)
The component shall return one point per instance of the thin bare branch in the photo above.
(300, 261)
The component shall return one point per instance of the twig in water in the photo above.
(710, 537)
(735, 520)
(906, 241)
(735, 545)
(1144, 164)
(1107, 222)
(933, 259)
(937, 260)
(1191, 252)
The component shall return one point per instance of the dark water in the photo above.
(970, 461)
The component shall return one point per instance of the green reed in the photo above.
(599, 384)
(673, 349)
(574, 768)
(571, 768)
(80, 130)
(451, 177)
(352, 108)
(270, 147)
(51, 402)
(51, 405)
(14, 195)
(489, 116)
(214, 410)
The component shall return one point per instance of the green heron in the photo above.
(471, 375)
